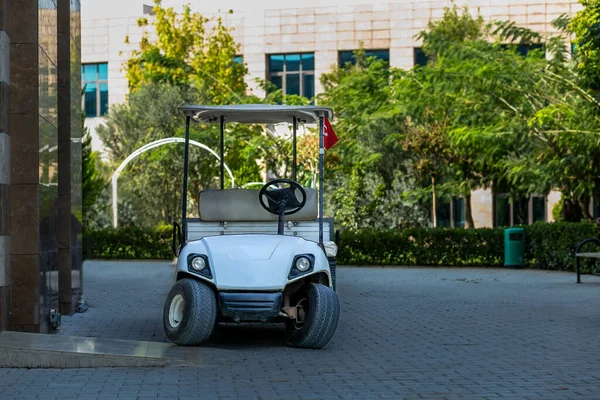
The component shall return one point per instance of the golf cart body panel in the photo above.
(258, 263)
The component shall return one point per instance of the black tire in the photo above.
(199, 313)
(321, 320)
(333, 271)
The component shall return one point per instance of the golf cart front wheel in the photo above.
(189, 313)
(319, 313)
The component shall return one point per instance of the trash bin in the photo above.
(514, 247)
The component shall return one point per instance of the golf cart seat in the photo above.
(242, 205)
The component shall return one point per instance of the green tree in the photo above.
(190, 50)
(92, 182)
(585, 27)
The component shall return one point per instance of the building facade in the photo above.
(292, 45)
(40, 162)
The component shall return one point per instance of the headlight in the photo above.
(302, 264)
(198, 263)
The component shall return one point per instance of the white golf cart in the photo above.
(255, 255)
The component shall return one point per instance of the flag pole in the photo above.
(321, 156)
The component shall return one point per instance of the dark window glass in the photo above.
(308, 86)
(90, 100)
(277, 81)
(95, 81)
(292, 84)
(292, 62)
(348, 56)
(103, 98)
(573, 48)
(443, 214)
(459, 212)
(420, 57)
(502, 217)
(521, 212)
(596, 210)
(276, 63)
(293, 73)
(538, 208)
(308, 62)
(524, 49)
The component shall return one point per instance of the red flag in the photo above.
(330, 138)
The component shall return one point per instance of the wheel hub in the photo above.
(176, 310)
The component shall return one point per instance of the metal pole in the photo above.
(295, 125)
(185, 177)
(321, 155)
(221, 152)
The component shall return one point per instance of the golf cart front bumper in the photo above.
(249, 306)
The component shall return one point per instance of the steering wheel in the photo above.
(293, 196)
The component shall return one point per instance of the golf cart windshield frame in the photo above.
(254, 114)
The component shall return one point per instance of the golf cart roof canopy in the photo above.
(256, 113)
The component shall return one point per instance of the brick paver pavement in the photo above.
(408, 333)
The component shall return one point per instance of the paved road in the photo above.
(404, 334)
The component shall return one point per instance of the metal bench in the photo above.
(579, 255)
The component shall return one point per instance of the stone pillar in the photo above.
(34, 163)
(69, 192)
(5, 278)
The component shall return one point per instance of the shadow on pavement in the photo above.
(233, 336)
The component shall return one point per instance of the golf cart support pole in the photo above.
(222, 151)
(185, 177)
(295, 127)
(321, 156)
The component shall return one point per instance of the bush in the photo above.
(422, 246)
(552, 246)
(129, 243)
(548, 246)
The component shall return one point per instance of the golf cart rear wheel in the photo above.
(189, 313)
(320, 307)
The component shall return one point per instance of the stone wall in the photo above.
(5, 276)
(37, 101)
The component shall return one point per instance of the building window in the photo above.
(293, 73)
(502, 209)
(450, 214)
(524, 49)
(238, 59)
(538, 209)
(349, 57)
(95, 86)
(523, 212)
(420, 58)
(443, 214)
(458, 212)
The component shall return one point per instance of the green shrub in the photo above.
(129, 243)
(548, 246)
(552, 245)
(422, 246)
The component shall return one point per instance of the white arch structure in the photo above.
(150, 146)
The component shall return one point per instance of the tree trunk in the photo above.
(433, 209)
(468, 213)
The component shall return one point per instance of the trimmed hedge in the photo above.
(548, 246)
(422, 246)
(129, 244)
